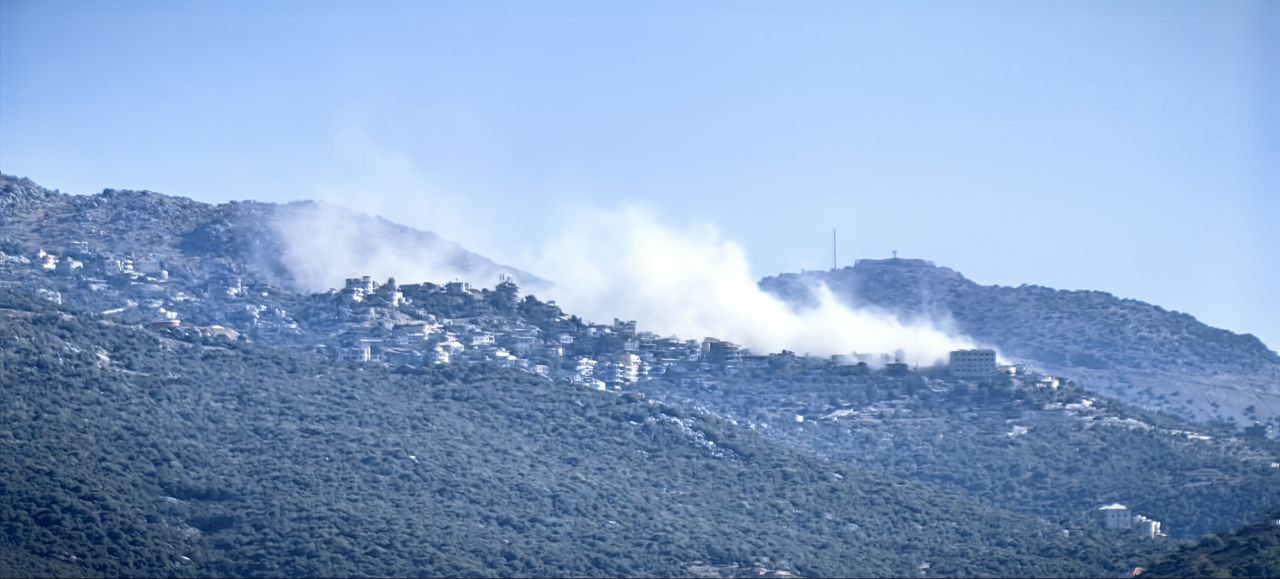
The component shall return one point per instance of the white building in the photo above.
(979, 363)
(1116, 516)
(625, 328)
(361, 352)
(361, 285)
(627, 369)
(412, 333)
(1119, 517)
(1147, 528)
(447, 343)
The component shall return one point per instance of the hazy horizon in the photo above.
(1124, 150)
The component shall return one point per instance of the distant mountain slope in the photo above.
(1055, 453)
(295, 245)
(1136, 351)
(127, 452)
(1253, 551)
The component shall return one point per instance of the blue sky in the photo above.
(1129, 147)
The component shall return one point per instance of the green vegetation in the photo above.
(995, 444)
(1253, 551)
(125, 452)
(1123, 348)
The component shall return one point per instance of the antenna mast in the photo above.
(834, 262)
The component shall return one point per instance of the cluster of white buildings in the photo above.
(428, 324)
(1118, 517)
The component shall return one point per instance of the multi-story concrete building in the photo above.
(978, 363)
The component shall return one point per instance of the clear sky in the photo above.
(1130, 147)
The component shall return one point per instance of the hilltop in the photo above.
(1135, 351)
(254, 241)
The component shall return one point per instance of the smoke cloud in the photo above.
(686, 281)
(692, 282)
(689, 282)
(325, 244)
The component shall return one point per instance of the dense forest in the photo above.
(1252, 551)
(995, 444)
(129, 452)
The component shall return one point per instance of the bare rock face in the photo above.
(1138, 352)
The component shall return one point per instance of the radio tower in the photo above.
(834, 263)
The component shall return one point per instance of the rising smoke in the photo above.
(687, 282)
(692, 282)
(684, 281)
(324, 244)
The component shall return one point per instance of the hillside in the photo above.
(1056, 453)
(129, 452)
(1138, 352)
(1252, 551)
(195, 314)
(254, 241)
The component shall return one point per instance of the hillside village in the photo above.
(455, 324)
(434, 324)
(1136, 352)
(187, 271)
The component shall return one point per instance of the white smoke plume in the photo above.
(325, 244)
(688, 282)
(694, 283)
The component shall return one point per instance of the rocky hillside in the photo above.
(1136, 351)
(292, 245)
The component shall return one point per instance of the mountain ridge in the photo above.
(247, 233)
(1126, 347)
(100, 321)
(1137, 351)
